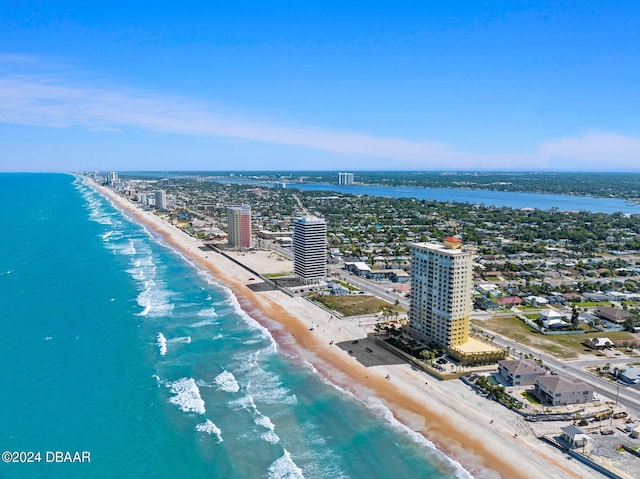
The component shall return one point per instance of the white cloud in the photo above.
(595, 150)
(49, 99)
(40, 102)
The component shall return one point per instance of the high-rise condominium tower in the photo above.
(441, 276)
(239, 226)
(345, 178)
(161, 200)
(310, 249)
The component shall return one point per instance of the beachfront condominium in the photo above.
(310, 249)
(112, 177)
(441, 283)
(239, 226)
(161, 200)
(345, 178)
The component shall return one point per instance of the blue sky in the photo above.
(348, 85)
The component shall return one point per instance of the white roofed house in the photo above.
(536, 301)
(552, 319)
(574, 436)
(598, 343)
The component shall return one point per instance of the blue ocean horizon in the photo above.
(116, 345)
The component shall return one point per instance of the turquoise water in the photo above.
(114, 345)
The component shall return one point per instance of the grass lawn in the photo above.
(530, 397)
(591, 304)
(355, 304)
(527, 307)
(277, 275)
(560, 345)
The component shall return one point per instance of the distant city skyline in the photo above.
(344, 86)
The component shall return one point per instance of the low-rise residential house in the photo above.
(555, 323)
(509, 301)
(586, 318)
(598, 343)
(485, 304)
(520, 372)
(536, 300)
(552, 319)
(616, 296)
(339, 290)
(630, 375)
(399, 276)
(358, 268)
(488, 289)
(574, 436)
(558, 390)
(596, 297)
(612, 314)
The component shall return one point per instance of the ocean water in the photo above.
(114, 346)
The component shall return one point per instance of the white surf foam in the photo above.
(245, 402)
(129, 249)
(268, 388)
(187, 396)
(216, 337)
(154, 300)
(208, 313)
(227, 382)
(181, 339)
(284, 468)
(162, 344)
(264, 421)
(205, 322)
(210, 428)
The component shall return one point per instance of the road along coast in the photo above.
(486, 438)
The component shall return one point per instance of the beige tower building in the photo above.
(441, 284)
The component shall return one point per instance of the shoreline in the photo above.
(482, 439)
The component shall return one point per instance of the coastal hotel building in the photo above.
(441, 289)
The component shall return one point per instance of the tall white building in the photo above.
(345, 178)
(161, 200)
(112, 177)
(239, 226)
(441, 287)
(310, 249)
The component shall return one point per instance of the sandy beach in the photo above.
(488, 440)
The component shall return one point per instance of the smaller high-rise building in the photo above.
(239, 226)
(310, 249)
(345, 178)
(161, 200)
(112, 177)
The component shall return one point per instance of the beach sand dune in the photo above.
(486, 438)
